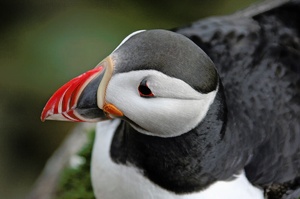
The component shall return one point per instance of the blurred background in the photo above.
(43, 44)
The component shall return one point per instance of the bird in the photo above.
(210, 110)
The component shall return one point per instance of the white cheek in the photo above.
(167, 117)
(172, 117)
(160, 116)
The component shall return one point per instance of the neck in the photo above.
(186, 163)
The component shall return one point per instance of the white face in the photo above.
(175, 108)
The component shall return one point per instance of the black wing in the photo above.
(257, 54)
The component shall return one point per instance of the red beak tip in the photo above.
(43, 118)
(45, 114)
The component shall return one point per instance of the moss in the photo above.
(75, 183)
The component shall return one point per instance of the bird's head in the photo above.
(158, 81)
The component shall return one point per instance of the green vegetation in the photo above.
(75, 183)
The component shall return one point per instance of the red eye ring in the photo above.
(144, 90)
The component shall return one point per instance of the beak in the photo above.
(83, 98)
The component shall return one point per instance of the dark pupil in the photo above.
(144, 90)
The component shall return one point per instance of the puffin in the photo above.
(175, 122)
(167, 130)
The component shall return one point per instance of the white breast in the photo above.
(113, 181)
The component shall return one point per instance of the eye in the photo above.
(144, 90)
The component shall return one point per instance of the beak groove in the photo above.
(63, 102)
(82, 99)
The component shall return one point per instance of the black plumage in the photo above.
(257, 55)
